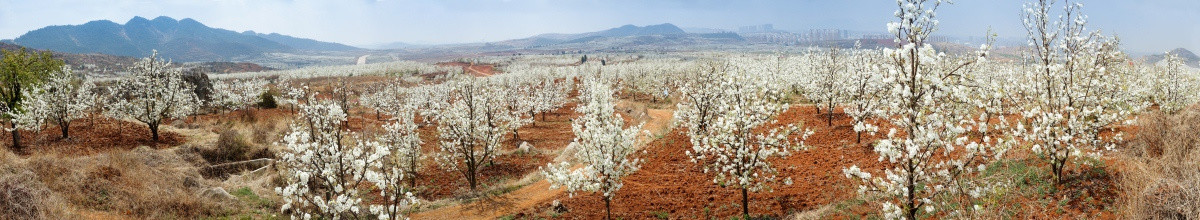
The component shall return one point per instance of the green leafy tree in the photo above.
(19, 71)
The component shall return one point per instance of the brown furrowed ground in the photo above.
(92, 135)
(501, 186)
(669, 184)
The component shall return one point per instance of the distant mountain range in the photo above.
(623, 31)
(625, 36)
(96, 64)
(1188, 57)
(302, 43)
(181, 40)
(392, 45)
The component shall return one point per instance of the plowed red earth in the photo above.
(92, 135)
(669, 182)
(550, 134)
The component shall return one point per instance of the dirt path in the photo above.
(362, 60)
(659, 122)
(495, 207)
(478, 72)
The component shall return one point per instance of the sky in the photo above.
(1143, 26)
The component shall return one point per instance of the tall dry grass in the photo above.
(1161, 177)
(143, 184)
(22, 196)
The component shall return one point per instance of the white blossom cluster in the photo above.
(864, 91)
(827, 79)
(516, 95)
(602, 147)
(737, 145)
(926, 97)
(742, 135)
(326, 166)
(430, 100)
(62, 98)
(1174, 85)
(1076, 89)
(290, 94)
(236, 94)
(152, 92)
(400, 164)
(398, 68)
(549, 94)
(655, 78)
(698, 107)
(472, 126)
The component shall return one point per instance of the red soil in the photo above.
(670, 182)
(92, 135)
(551, 134)
(478, 70)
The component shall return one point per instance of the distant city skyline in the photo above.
(1144, 26)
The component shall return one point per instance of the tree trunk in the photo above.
(607, 208)
(412, 180)
(830, 115)
(471, 180)
(859, 139)
(16, 139)
(65, 127)
(745, 204)
(830, 111)
(154, 133)
(1058, 170)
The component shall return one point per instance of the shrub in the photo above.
(232, 146)
(203, 85)
(267, 99)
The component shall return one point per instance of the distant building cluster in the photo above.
(766, 33)
(815, 35)
(756, 28)
(889, 37)
(772, 37)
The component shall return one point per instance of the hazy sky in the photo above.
(1144, 26)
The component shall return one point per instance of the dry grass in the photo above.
(143, 183)
(1162, 168)
(23, 197)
